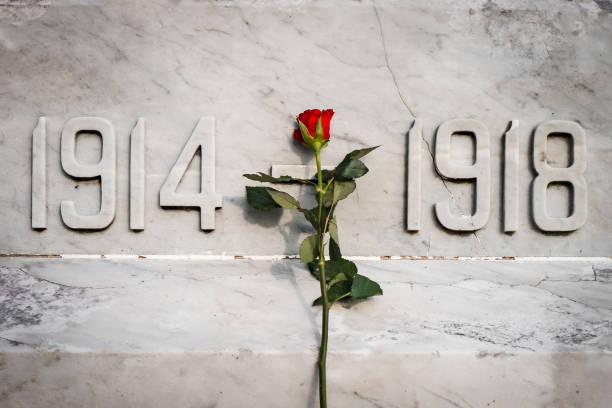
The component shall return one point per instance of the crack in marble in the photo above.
(17, 342)
(479, 241)
(479, 333)
(433, 161)
(348, 64)
(374, 401)
(442, 397)
(63, 285)
(384, 45)
(508, 285)
(566, 297)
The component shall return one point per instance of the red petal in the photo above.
(297, 135)
(309, 118)
(325, 119)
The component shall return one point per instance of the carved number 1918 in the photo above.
(480, 173)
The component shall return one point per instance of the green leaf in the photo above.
(265, 178)
(268, 198)
(283, 199)
(338, 190)
(336, 292)
(358, 154)
(327, 211)
(343, 189)
(333, 268)
(350, 169)
(328, 197)
(308, 249)
(333, 230)
(334, 242)
(326, 175)
(364, 287)
(324, 213)
(311, 216)
(334, 250)
(260, 199)
(313, 267)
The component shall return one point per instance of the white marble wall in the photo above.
(225, 324)
(255, 65)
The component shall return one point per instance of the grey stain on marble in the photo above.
(29, 301)
(602, 274)
(19, 12)
(20, 305)
(604, 5)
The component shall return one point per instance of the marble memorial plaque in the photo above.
(126, 128)
(133, 272)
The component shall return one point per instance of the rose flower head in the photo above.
(313, 127)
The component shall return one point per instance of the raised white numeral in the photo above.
(413, 191)
(203, 139)
(137, 176)
(480, 171)
(39, 175)
(574, 175)
(511, 177)
(105, 169)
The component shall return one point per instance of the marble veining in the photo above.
(153, 332)
(428, 306)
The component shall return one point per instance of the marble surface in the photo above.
(144, 332)
(195, 380)
(155, 305)
(175, 316)
(254, 65)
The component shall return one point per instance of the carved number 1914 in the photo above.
(202, 140)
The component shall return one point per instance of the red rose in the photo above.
(309, 118)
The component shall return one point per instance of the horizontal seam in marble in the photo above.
(294, 257)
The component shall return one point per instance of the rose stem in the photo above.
(325, 311)
(325, 319)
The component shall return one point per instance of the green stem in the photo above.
(325, 318)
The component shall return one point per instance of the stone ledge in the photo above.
(193, 333)
(244, 378)
(149, 306)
